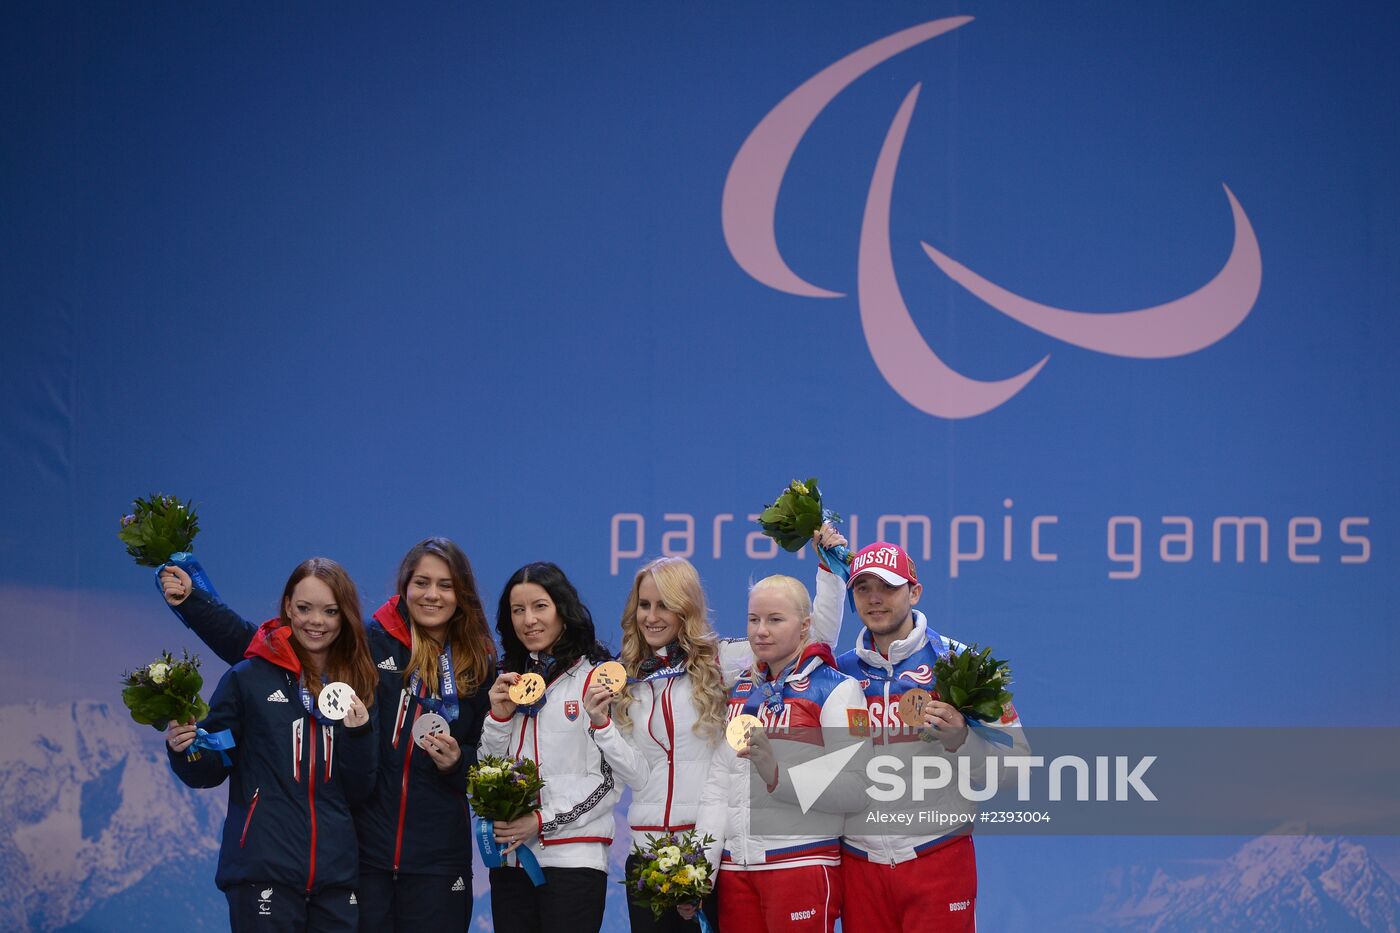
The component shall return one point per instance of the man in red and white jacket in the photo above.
(929, 881)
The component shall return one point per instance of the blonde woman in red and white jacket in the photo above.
(545, 628)
(665, 726)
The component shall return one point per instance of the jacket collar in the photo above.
(394, 620)
(812, 657)
(273, 643)
(900, 651)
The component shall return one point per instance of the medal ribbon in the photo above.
(770, 692)
(447, 706)
(663, 673)
(540, 663)
(310, 703)
(491, 852)
(662, 666)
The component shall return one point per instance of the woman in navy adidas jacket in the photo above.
(288, 860)
(415, 830)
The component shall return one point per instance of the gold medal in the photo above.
(526, 690)
(611, 675)
(911, 706)
(737, 732)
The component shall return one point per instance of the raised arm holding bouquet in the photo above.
(159, 532)
(794, 519)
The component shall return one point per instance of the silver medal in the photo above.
(426, 725)
(334, 700)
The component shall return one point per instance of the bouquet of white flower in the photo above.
(502, 789)
(165, 690)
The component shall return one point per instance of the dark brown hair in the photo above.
(348, 659)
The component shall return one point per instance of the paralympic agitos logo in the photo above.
(904, 358)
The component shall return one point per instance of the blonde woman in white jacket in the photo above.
(660, 734)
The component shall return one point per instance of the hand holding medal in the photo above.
(338, 702)
(507, 692)
(607, 681)
(745, 734)
(433, 734)
(527, 689)
(739, 732)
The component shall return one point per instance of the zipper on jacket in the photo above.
(403, 792)
(248, 820)
(670, 751)
(311, 800)
(885, 714)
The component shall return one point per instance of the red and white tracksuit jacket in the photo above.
(662, 758)
(576, 817)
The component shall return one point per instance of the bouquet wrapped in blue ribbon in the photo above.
(500, 790)
(796, 515)
(168, 690)
(160, 531)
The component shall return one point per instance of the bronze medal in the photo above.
(737, 732)
(526, 690)
(911, 707)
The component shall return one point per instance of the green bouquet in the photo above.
(974, 682)
(502, 789)
(165, 690)
(796, 515)
(670, 870)
(157, 528)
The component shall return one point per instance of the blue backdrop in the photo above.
(544, 279)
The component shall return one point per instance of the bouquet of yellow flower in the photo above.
(795, 516)
(670, 870)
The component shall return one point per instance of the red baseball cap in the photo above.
(887, 561)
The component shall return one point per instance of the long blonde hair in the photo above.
(679, 585)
